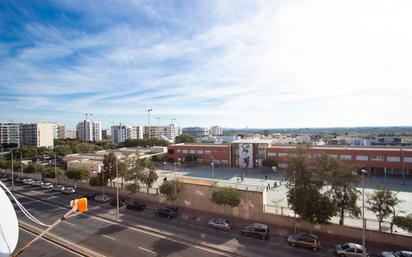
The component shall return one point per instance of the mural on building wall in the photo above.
(246, 156)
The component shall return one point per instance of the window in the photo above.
(378, 158)
(346, 157)
(200, 160)
(334, 156)
(361, 157)
(225, 161)
(178, 151)
(407, 159)
(184, 151)
(282, 154)
(216, 161)
(200, 151)
(271, 154)
(283, 165)
(192, 151)
(394, 159)
(208, 152)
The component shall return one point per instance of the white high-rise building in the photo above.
(121, 133)
(216, 131)
(89, 130)
(172, 132)
(59, 131)
(196, 131)
(36, 134)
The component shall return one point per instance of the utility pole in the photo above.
(294, 199)
(148, 122)
(12, 170)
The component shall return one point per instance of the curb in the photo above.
(60, 241)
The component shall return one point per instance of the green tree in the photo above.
(40, 169)
(63, 150)
(29, 168)
(171, 189)
(342, 183)
(226, 196)
(133, 189)
(77, 174)
(50, 172)
(185, 138)
(382, 202)
(404, 222)
(148, 178)
(305, 183)
(109, 166)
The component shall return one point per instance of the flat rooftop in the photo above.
(364, 148)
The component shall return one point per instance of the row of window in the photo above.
(201, 160)
(358, 157)
(193, 151)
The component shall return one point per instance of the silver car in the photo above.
(47, 186)
(220, 223)
(396, 254)
(37, 183)
(69, 190)
(349, 249)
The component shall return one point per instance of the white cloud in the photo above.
(284, 64)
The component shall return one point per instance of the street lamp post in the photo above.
(213, 169)
(294, 199)
(117, 187)
(55, 170)
(148, 122)
(21, 163)
(12, 170)
(175, 180)
(363, 213)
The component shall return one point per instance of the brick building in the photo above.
(247, 154)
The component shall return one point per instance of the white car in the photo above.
(102, 198)
(349, 249)
(37, 183)
(68, 190)
(47, 186)
(58, 188)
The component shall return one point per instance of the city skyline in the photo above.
(257, 65)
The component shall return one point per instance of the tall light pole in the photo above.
(363, 213)
(158, 121)
(12, 170)
(117, 187)
(213, 169)
(148, 122)
(294, 199)
(21, 163)
(55, 170)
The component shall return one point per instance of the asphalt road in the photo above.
(42, 248)
(111, 239)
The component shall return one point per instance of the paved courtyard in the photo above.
(276, 202)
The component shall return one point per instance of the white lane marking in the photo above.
(112, 238)
(69, 223)
(147, 250)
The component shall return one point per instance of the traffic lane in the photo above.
(42, 248)
(243, 245)
(105, 237)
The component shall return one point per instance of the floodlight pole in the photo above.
(12, 170)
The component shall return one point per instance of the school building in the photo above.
(248, 154)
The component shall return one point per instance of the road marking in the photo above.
(112, 238)
(147, 250)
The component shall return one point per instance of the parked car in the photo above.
(305, 240)
(69, 190)
(165, 212)
(46, 186)
(256, 230)
(27, 181)
(172, 207)
(58, 188)
(90, 196)
(136, 205)
(37, 183)
(102, 198)
(3, 179)
(220, 223)
(396, 254)
(349, 249)
(18, 180)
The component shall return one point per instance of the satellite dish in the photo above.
(9, 228)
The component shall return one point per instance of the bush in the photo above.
(226, 196)
(404, 222)
(168, 189)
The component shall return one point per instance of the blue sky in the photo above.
(239, 64)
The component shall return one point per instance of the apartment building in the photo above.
(121, 133)
(172, 132)
(9, 135)
(36, 134)
(216, 131)
(247, 154)
(155, 131)
(88, 130)
(196, 131)
(59, 131)
(70, 134)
